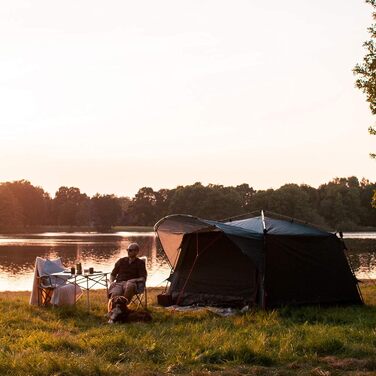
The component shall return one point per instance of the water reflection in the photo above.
(361, 254)
(101, 251)
(363, 264)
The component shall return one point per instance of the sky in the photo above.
(112, 96)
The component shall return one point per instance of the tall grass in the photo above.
(73, 341)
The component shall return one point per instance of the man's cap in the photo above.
(133, 247)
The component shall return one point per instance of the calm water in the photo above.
(101, 251)
(18, 253)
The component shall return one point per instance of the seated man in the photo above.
(128, 271)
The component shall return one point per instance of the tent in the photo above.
(260, 261)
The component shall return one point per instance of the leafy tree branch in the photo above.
(366, 72)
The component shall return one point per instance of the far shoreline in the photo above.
(115, 229)
(73, 229)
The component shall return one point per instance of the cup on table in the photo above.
(91, 270)
(79, 268)
(73, 270)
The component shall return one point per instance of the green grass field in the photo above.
(286, 341)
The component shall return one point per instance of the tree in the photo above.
(368, 213)
(163, 199)
(107, 211)
(143, 208)
(367, 70)
(290, 200)
(124, 203)
(367, 75)
(10, 210)
(246, 192)
(33, 202)
(341, 203)
(71, 207)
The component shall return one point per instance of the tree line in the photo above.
(341, 204)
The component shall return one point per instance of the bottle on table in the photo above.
(79, 268)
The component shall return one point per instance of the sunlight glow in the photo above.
(111, 97)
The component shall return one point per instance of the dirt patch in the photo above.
(349, 363)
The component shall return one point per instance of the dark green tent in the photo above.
(255, 261)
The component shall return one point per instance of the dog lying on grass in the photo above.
(118, 311)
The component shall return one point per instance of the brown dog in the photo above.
(118, 311)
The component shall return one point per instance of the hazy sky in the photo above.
(111, 96)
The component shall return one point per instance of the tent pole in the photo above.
(262, 281)
(263, 221)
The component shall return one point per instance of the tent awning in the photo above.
(171, 230)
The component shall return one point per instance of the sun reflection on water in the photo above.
(100, 251)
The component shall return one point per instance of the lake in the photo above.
(101, 251)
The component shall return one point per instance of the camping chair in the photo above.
(140, 299)
(49, 289)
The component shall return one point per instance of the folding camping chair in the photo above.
(49, 289)
(140, 299)
(45, 290)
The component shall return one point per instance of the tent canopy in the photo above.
(172, 228)
(278, 227)
(259, 260)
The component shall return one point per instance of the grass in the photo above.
(286, 341)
